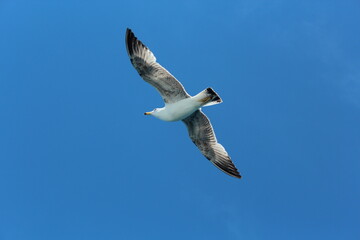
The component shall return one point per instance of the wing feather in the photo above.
(152, 72)
(203, 135)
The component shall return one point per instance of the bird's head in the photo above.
(154, 112)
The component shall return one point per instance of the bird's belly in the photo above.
(180, 110)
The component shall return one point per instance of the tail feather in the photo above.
(209, 97)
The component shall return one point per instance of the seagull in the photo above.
(179, 105)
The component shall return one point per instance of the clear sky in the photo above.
(79, 160)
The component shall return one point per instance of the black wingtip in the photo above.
(132, 43)
(128, 33)
(235, 174)
(129, 39)
(229, 169)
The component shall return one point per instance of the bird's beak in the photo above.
(147, 113)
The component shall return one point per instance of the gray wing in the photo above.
(145, 63)
(202, 134)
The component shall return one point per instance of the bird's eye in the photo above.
(155, 109)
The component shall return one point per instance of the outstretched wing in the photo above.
(202, 134)
(145, 63)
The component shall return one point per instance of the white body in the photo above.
(177, 111)
(183, 108)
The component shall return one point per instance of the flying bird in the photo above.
(179, 105)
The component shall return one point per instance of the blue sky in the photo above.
(79, 160)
